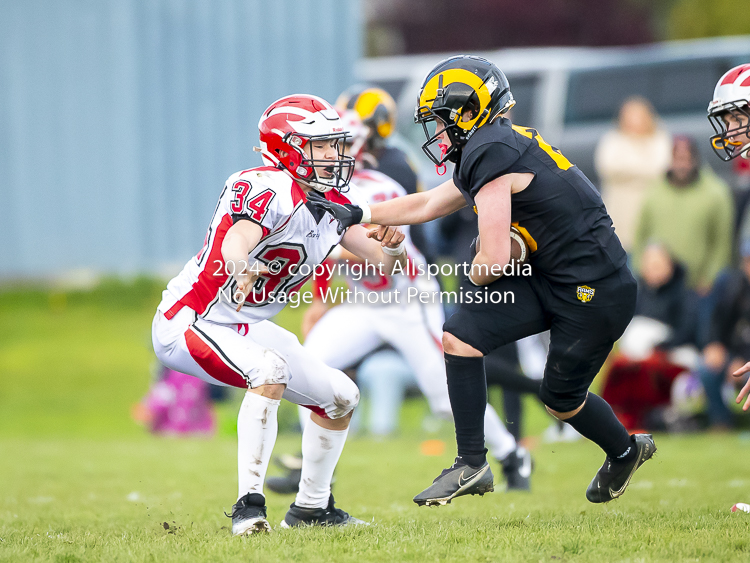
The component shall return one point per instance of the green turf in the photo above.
(107, 500)
(79, 481)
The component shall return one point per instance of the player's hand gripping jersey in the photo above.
(560, 213)
(376, 187)
(296, 237)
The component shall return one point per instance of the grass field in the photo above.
(79, 481)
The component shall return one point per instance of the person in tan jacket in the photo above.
(628, 159)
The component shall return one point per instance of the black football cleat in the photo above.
(288, 484)
(329, 516)
(249, 515)
(458, 480)
(285, 484)
(613, 477)
(517, 468)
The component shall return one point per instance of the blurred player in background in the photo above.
(344, 335)
(377, 110)
(729, 114)
(213, 319)
(580, 287)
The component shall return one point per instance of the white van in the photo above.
(572, 95)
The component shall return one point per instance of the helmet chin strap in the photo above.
(440, 169)
(317, 185)
(280, 166)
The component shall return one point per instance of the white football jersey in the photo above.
(376, 187)
(295, 239)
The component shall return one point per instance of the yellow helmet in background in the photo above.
(375, 107)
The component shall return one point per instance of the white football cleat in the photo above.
(249, 516)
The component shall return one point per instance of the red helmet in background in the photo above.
(357, 132)
(731, 98)
(298, 122)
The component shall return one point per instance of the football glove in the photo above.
(346, 214)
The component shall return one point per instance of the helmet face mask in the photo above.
(465, 92)
(323, 174)
(434, 126)
(291, 128)
(729, 114)
(723, 142)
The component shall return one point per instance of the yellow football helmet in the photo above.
(459, 96)
(375, 107)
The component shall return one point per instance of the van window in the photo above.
(524, 90)
(676, 87)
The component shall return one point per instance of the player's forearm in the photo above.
(235, 250)
(383, 258)
(493, 208)
(485, 269)
(394, 264)
(407, 210)
(239, 241)
(347, 255)
(419, 208)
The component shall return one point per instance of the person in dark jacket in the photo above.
(640, 378)
(729, 341)
(663, 295)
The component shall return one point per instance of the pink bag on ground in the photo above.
(179, 404)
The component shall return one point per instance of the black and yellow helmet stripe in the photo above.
(452, 76)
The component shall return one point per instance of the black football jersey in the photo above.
(560, 213)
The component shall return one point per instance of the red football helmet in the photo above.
(731, 100)
(294, 123)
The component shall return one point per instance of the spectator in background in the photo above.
(663, 295)
(627, 160)
(653, 351)
(741, 188)
(690, 212)
(729, 339)
(741, 168)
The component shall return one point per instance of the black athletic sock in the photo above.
(509, 376)
(597, 422)
(467, 389)
(513, 410)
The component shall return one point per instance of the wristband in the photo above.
(394, 251)
(366, 215)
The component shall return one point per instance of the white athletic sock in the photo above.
(304, 416)
(321, 449)
(257, 427)
(499, 441)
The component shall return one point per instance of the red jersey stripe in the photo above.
(211, 361)
(212, 276)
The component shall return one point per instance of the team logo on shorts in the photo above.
(585, 293)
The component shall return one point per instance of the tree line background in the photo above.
(396, 27)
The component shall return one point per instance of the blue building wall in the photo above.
(121, 119)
